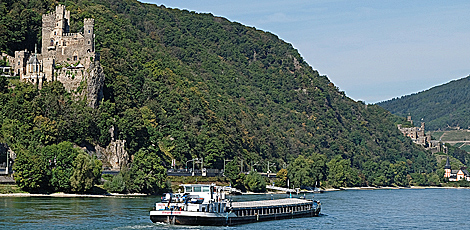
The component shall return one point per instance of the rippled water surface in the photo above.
(378, 209)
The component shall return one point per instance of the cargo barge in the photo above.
(207, 205)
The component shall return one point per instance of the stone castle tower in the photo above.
(64, 57)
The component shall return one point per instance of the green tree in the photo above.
(255, 182)
(281, 176)
(147, 174)
(131, 127)
(84, 173)
(117, 184)
(59, 160)
(45, 130)
(434, 179)
(3, 84)
(30, 172)
(232, 169)
(419, 179)
(400, 173)
(307, 171)
(340, 173)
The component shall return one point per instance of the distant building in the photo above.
(64, 56)
(416, 134)
(456, 175)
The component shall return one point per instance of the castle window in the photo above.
(74, 58)
(63, 43)
(88, 42)
(55, 33)
(52, 42)
(89, 31)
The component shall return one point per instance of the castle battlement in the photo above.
(60, 8)
(89, 21)
(48, 16)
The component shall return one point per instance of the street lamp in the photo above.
(255, 164)
(270, 165)
(194, 159)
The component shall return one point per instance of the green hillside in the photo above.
(440, 107)
(182, 85)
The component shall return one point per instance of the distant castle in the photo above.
(418, 136)
(64, 56)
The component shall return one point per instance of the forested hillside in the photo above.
(441, 107)
(182, 85)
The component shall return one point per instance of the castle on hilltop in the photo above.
(64, 56)
(418, 136)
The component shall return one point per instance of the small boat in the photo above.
(203, 204)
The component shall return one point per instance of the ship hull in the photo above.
(222, 219)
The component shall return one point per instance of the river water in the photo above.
(364, 209)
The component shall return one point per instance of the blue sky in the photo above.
(372, 50)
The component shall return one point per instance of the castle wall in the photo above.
(70, 78)
(48, 69)
(20, 60)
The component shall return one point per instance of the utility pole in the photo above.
(192, 172)
(8, 163)
(202, 163)
(194, 159)
(203, 172)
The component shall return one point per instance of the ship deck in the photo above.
(270, 203)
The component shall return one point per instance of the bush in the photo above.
(117, 184)
(255, 182)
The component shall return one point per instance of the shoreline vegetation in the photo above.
(73, 195)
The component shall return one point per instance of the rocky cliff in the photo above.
(95, 83)
(114, 155)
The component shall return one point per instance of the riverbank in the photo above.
(60, 194)
(13, 191)
(390, 188)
